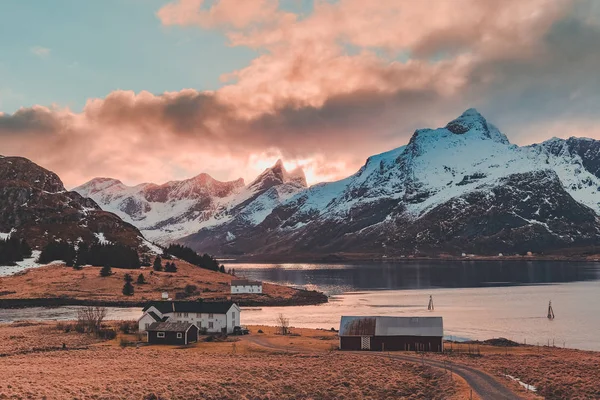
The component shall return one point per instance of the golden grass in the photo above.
(557, 373)
(211, 371)
(60, 281)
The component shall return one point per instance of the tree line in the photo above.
(12, 250)
(114, 255)
(205, 261)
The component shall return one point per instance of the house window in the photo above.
(147, 326)
(185, 315)
(210, 315)
(179, 335)
(210, 325)
(160, 334)
(197, 315)
(179, 314)
(233, 315)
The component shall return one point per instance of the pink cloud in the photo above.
(327, 90)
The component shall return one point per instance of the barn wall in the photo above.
(350, 342)
(192, 335)
(408, 343)
(170, 338)
(394, 343)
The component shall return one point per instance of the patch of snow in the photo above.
(230, 237)
(530, 388)
(153, 248)
(5, 236)
(101, 238)
(21, 265)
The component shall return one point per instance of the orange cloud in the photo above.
(328, 89)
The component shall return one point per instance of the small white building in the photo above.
(239, 286)
(212, 317)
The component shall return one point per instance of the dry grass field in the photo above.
(59, 281)
(227, 370)
(556, 373)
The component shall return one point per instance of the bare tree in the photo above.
(90, 318)
(283, 325)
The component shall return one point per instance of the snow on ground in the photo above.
(21, 265)
(101, 238)
(530, 388)
(154, 248)
(4, 236)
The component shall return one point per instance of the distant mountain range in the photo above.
(34, 205)
(463, 188)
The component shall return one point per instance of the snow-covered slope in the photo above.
(407, 200)
(179, 208)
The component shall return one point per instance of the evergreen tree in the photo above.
(128, 278)
(106, 271)
(157, 266)
(128, 289)
(170, 267)
(222, 268)
(140, 279)
(25, 249)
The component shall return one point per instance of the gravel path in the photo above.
(482, 383)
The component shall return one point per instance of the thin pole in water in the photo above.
(550, 310)
(430, 307)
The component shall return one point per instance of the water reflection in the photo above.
(340, 278)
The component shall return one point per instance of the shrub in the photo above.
(190, 289)
(107, 333)
(128, 326)
(260, 331)
(124, 342)
(106, 271)
(181, 295)
(170, 267)
(140, 279)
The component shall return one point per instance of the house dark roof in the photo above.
(156, 317)
(245, 282)
(210, 307)
(169, 327)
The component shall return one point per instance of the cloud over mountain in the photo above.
(332, 86)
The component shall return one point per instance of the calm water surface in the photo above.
(478, 300)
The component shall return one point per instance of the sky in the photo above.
(158, 90)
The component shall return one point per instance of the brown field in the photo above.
(238, 370)
(557, 373)
(266, 366)
(61, 282)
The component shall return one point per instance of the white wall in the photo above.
(203, 320)
(246, 289)
(147, 319)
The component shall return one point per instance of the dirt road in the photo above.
(482, 383)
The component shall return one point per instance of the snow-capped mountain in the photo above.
(460, 188)
(179, 208)
(36, 206)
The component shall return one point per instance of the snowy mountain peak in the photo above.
(277, 175)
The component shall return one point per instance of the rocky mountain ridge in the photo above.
(460, 188)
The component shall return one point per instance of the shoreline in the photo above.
(336, 259)
(308, 298)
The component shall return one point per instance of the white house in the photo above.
(239, 286)
(210, 316)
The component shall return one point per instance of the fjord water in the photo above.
(478, 300)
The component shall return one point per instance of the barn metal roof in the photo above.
(391, 326)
